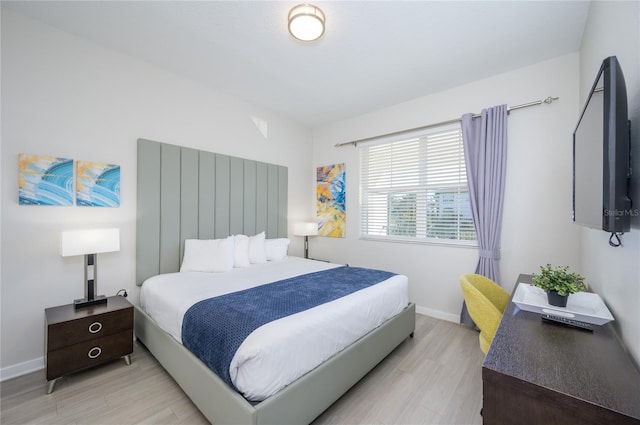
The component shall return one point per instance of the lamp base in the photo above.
(83, 302)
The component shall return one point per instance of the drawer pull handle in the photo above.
(94, 352)
(95, 327)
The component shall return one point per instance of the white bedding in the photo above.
(279, 352)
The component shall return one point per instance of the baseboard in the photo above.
(21, 369)
(455, 318)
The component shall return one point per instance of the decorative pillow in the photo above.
(257, 253)
(207, 255)
(276, 249)
(241, 251)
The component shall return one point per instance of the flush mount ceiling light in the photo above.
(306, 22)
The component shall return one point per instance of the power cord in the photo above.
(124, 293)
(618, 241)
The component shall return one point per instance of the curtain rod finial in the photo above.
(550, 100)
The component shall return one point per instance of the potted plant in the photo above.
(558, 283)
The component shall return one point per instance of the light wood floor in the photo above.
(434, 378)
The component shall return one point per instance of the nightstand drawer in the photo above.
(88, 353)
(68, 333)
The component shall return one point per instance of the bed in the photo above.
(185, 193)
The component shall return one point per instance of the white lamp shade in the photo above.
(89, 241)
(305, 229)
(306, 22)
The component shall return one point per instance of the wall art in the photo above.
(97, 184)
(330, 200)
(44, 180)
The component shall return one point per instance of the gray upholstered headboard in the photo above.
(186, 193)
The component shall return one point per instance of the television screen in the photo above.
(588, 160)
(601, 156)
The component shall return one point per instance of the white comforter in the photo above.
(279, 352)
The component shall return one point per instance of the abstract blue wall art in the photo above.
(44, 180)
(98, 184)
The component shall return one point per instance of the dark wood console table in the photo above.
(542, 373)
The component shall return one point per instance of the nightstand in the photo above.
(83, 338)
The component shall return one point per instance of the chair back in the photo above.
(486, 301)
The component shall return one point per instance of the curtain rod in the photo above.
(548, 100)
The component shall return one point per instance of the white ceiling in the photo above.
(373, 54)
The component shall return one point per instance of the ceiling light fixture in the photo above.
(306, 22)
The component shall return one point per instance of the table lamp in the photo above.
(306, 230)
(89, 243)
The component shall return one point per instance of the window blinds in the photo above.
(416, 188)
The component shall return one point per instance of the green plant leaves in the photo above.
(558, 279)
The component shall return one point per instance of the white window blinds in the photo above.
(415, 188)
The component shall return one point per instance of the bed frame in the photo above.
(298, 403)
(185, 193)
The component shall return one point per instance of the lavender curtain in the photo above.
(485, 149)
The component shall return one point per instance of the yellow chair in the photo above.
(486, 302)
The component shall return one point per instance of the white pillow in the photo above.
(207, 255)
(276, 248)
(241, 251)
(257, 252)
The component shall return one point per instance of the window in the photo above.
(415, 189)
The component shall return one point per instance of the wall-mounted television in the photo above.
(601, 154)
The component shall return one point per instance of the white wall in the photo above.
(67, 97)
(613, 29)
(537, 227)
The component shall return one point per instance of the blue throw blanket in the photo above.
(213, 329)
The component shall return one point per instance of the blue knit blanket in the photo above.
(214, 328)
